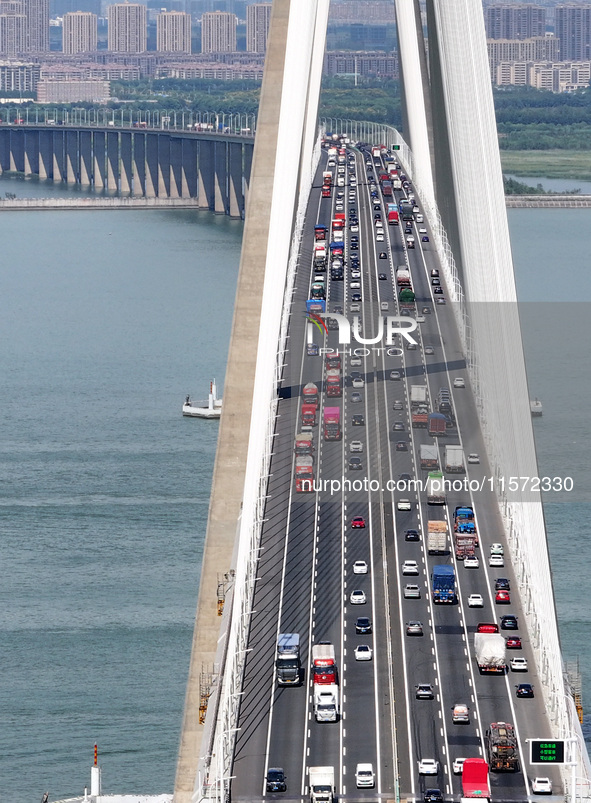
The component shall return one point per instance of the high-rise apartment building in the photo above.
(538, 48)
(173, 32)
(218, 32)
(13, 28)
(127, 28)
(511, 21)
(258, 17)
(37, 13)
(572, 25)
(79, 32)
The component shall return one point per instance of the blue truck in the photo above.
(444, 583)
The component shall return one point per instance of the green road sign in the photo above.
(546, 751)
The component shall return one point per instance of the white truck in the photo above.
(437, 538)
(454, 460)
(321, 784)
(490, 653)
(326, 702)
(418, 395)
(435, 488)
(429, 456)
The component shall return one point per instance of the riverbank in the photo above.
(575, 165)
(95, 202)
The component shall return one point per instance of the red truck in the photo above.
(387, 189)
(475, 778)
(320, 233)
(334, 382)
(310, 394)
(304, 444)
(436, 425)
(308, 415)
(304, 474)
(465, 544)
(393, 217)
(403, 276)
(420, 417)
(333, 360)
(332, 424)
(324, 664)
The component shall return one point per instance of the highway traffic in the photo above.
(355, 547)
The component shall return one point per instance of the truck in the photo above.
(327, 178)
(320, 257)
(333, 360)
(376, 152)
(387, 189)
(490, 653)
(308, 414)
(418, 395)
(324, 663)
(287, 662)
(393, 216)
(429, 456)
(326, 190)
(304, 443)
(465, 545)
(435, 488)
(420, 416)
(304, 474)
(332, 424)
(316, 305)
(464, 521)
(326, 702)
(454, 460)
(334, 383)
(396, 184)
(320, 232)
(322, 786)
(437, 538)
(336, 249)
(501, 747)
(310, 394)
(318, 290)
(475, 783)
(436, 425)
(443, 584)
(403, 276)
(406, 298)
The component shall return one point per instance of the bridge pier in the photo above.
(72, 152)
(99, 160)
(32, 153)
(58, 169)
(189, 183)
(126, 164)
(176, 163)
(163, 166)
(17, 152)
(205, 167)
(236, 199)
(112, 160)
(220, 177)
(45, 154)
(139, 165)
(151, 186)
(85, 158)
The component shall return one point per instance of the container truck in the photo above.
(435, 488)
(429, 456)
(418, 395)
(396, 184)
(501, 747)
(436, 425)
(402, 276)
(310, 394)
(304, 474)
(420, 417)
(326, 190)
(320, 232)
(326, 702)
(304, 443)
(332, 423)
(475, 783)
(490, 653)
(308, 415)
(437, 538)
(443, 581)
(376, 153)
(316, 305)
(320, 257)
(393, 216)
(287, 663)
(334, 383)
(324, 664)
(465, 544)
(454, 460)
(336, 249)
(322, 784)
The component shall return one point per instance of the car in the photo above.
(424, 691)
(356, 398)
(382, 277)
(360, 567)
(379, 238)
(513, 643)
(383, 255)
(471, 562)
(487, 627)
(411, 535)
(428, 766)
(518, 664)
(420, 318)
(355, 360)
(414, 628)
(404, 504)
(410, 567)
(460, 714)
(432, 796)
(358, 382)
(398, 426)
(475, 601)
(412, 591)
(503, 598)
(426, 310)
(363, 625)
(502, 584)
(541, 786)
(355, 274)
(408, 229)
(458, 766)
(357, 598)
(459, 382)
(434, 272)
(402, 446)
(354, 285)
(356, 446)
(395, 375)
(419, 218)
(440, 301)
(312, 350)
(358, 420)
(525, 690)
(411, 346)
(425, 238)
(429, 350)
(364, 776)
(355, 306)
(435, 282)
(473, 458)
(497, 549)
(355, 464)
(355, 296)
(357, 522)
(438, 291)
(354, 226)
(496, 560)
(275, 780)
(363, 652)
(384, 306)
(509, 622)
(378, 215)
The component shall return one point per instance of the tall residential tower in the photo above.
(218, 32)
(258, 16)
(127, 28)
(79, 32)
(173, 32)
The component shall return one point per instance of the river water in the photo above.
(108, 319)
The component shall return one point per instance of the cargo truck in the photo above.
(326, 702)
(465, 522)
(322, 784)
(332, 423)
(308, 414)
(310, 394)
(454, 460)
(333, 360)
(490, 653)
(420, 417)
(387, 189)
(334, 383)
(437, 538)
(393, 216)
(304, 443)
(406, 298)
(304, 474)
(402, 276)
(336, 249)
(320, 257)
(418, 395)
(443, 580)
(376, 153)
(435, 488)
(501, 747)
(429, 456)
(465, 545)
(316, 305)
(320, 232)
(475, 783)
(318, 291)
(436, 425)
(396, 184)
(287, 662)
(324, 664)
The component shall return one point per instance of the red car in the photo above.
(503, 598)
(357, 521)
(513, 643)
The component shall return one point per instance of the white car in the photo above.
(363, 652)
(518, 664)
(358, 382)
(355, 306)
(420, 319)
(458, 766)
(384, 306)
(380, 238)
(419, 218)
(422, 230)
(496, 560)
(410, 567)
(355, 274)
(404, 504)
(356, 446)
(364, 776)
(355, 360)
(428, 766)
(475, 601)
(473, 458)
(541, 786)
(471, 562)
(355, 285)
(412, 591)
(357, 598)
(459, 382)
(354, 227)
(497, 549)
(360, 567)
